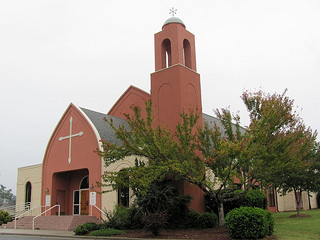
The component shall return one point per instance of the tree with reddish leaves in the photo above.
(284, 151)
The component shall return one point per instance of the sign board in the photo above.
(93, 198)
(48, 200)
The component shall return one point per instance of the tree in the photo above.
(274, 143)
(283, 150)
(224, 152)
(6, 196)
(158, 151)
(161, 156)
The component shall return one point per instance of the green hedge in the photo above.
(106, 232)
(249, 223)
(86, 228)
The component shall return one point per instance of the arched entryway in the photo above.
(70, 190)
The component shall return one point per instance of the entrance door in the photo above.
(84, 202)
(61, 199)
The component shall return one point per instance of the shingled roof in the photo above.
(103, 128)
(107, 133)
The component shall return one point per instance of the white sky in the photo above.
(53, 52)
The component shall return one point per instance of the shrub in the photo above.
(191, 220)
(253, 198)
(124, 218)
(164, 197)
(208, 220)
(86, 228)
(106, 232)
(155, 221)
(4, 217)
(249, 223)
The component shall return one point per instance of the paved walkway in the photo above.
(50, 233)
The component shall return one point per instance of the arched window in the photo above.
(84, 183)
(28, 193)
(166, 53)
(123, 193)
(186, 53)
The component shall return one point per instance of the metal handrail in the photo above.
(57, 205)
(98, 209)
(22, 214)
(14, 209)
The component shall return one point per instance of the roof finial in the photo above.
(173, 11)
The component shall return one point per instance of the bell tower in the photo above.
(175, 87)
(175, 84)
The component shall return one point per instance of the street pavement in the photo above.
(6, 232)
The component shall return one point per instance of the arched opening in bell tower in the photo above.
(166, 53)
(186, 53)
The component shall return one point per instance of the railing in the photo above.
(45, 212)
(24, 213)
(14, 210)
(98, 209)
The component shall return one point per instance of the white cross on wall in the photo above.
(70, 136)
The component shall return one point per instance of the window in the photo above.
(76, 202)
(85, 183)
(28, 193)
(123, 193)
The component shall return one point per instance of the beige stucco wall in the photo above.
(288, 202)
(32, 174)
(110, 199)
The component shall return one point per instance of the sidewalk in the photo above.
(50, 233)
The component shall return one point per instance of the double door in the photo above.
(81, 202)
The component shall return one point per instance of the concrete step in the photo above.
(58, 223)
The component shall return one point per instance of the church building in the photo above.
(71, 168)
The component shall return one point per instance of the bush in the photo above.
(86, 228)
(249, 223)
(155, 221)
(162, 196)
(124, 218)
(253, 198)
(191, 220)
(208, 220)
(4, 217)
(106, 232)
(119, 218)
(204, 220)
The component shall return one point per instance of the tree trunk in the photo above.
(221, 214)
(298, 200)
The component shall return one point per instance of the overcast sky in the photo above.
(54, 52)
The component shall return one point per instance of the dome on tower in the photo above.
(173, 20)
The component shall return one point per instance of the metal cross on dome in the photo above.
(173, 11)
(70, 136)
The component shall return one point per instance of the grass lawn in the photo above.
(297, 228)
